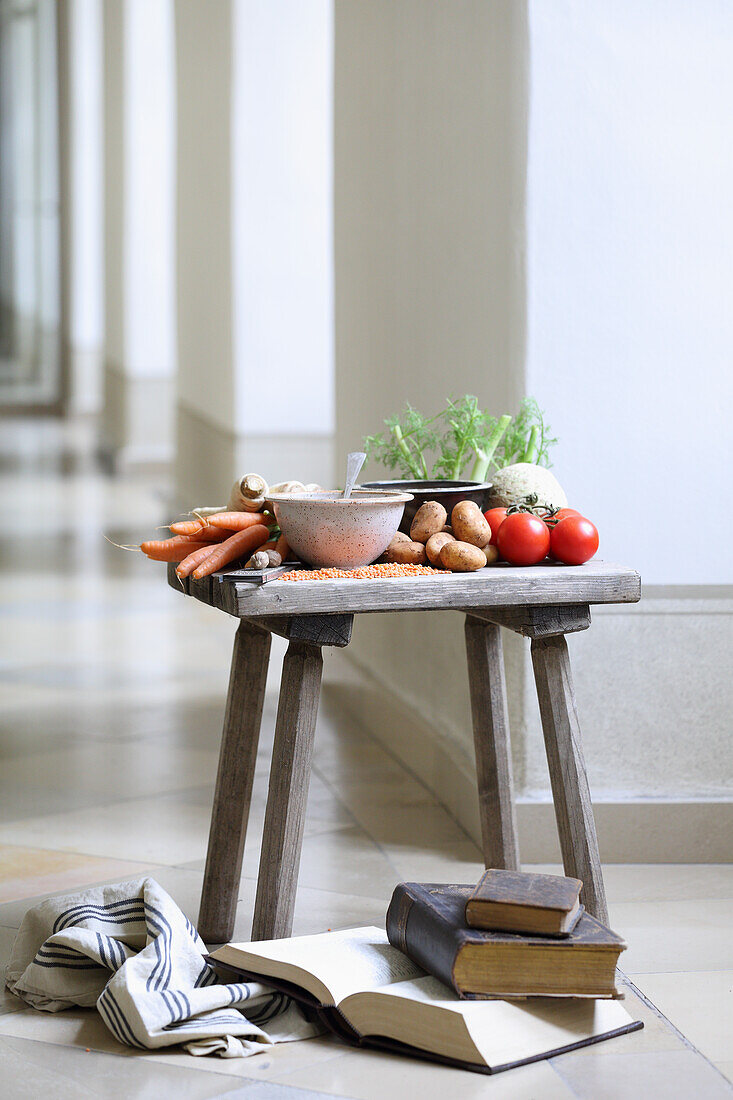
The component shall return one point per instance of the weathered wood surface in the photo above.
(333, 630)
(498, 586)
(287, 797)
(540, 622)
(491, 743)
(570, 792)
(218, 591)
(233, 793)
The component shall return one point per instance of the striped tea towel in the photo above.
(129, 949)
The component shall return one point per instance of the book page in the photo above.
(343, 962)
(502, 1031)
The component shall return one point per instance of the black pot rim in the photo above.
(436, 486)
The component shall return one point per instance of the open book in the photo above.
(371, 994)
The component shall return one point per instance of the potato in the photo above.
(491, 553)
(398, 538)
(407, 553)
(429, 518)
(462, 557)
(435, 544)
(470, 524)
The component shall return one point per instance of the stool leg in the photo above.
(237, 758)
(491, 742)
(292, 752)
(573, 809)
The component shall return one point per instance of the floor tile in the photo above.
(74, 1027)
(726, 1068)
(268, 1091)
(365, 1075)
(701, 1006)
(347, 861)
(83, 775)
(315, 909)
(659, 881)
(141, 830)
(275, 1062)
(668, 1075)
(8, 1002)
(413, 863)
(668, 936)
(34, 871)
(657, 1033)
(30, 1070)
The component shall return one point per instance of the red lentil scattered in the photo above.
(365, 573)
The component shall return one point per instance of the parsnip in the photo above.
(248, 494)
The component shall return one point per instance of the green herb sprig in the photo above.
(460, 434)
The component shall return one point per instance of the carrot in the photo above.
(193, 530)
(187, 526)
(244, 542)
(282, 548)
(176, 541)
(172, 549)
(237, 521)
(196, 557)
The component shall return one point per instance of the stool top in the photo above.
(498, 585)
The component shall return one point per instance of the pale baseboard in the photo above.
(629, 831)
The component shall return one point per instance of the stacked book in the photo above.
(512, 935)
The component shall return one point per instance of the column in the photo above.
(20, 189)
(139, 159)
(82, 199)
(429, 176)
(255, 377)
(6, 183)
(29, 282)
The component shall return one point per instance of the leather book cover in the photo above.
(427, 922)
(521, 888)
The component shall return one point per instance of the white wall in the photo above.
(282, 223)
(627, 246)
(86, 256)
(139, 188)
(6, 164)
(113, 179)
(630, 268)
(149, 181)
(430, 113)
(255, 282)
(82, 96)
(430, 124)
(30, 197)
(24, 187)
(47, 152)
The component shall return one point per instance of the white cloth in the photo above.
(130, 950)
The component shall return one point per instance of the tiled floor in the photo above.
(112, 696)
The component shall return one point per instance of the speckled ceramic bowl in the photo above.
(325, 530)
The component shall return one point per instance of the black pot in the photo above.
(447, 493)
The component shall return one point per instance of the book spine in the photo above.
(419, 931)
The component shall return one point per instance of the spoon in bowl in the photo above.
(354, 463)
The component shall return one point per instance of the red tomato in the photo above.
(563, 513)
(523, 539)
(495, 518)
(574, 540)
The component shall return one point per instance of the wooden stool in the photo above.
(543, 603)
